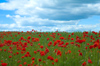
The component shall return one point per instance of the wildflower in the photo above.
(4, 64)
(4, 49)
(44, 61)
(41, 47)
(72, 34)
(17, 53)
(91, 46)
(89, 61)
(24, 63)
(59, 53)
(80, 54)
(33, 58)
(78, 50)
(29, 37)
(69, 51)
(86, 47)
(32, 61)
(50, 57)
(20, 65)
(61, 38)
(72, 38)
(22, 56)
(10, 56)
(52, 63)
(47, 38)
(39, 60)
(99, 47)
(67, 43)
(42, 53)
(56, 60)
(1, 60)
(35, 52)
(0, 49)
(23, 49)
(18, 61)
(46, 50)
(84, 64)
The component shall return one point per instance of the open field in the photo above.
(49, 48)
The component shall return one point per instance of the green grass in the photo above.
(66, 59)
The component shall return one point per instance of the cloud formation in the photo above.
(52, 13)
(54, 9)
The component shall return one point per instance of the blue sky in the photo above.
(50, 15)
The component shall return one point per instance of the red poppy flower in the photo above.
(84, 64)
(18, 61)
(50, 57)
(4, 49)
(23, 49)
(91, 46)
(0, 49)
(20, 65)
(17, 53)
(10, 56)
(24, 63)
(47, 38)
(22, 56)
(67, 43)
(72, 38)
(72, 34)
(41, 47)
(40, 60)
(1, 45)
(33, 58)
(86, 47)
(52, 63)
(89, 61)
(56, 60)
(61, 38)
(71, 42)
(29, 37)
(99, 47)
(78, 50)
(4, 64)
(42, 53)
(1, 60)
(80, 54)
(69, 51)
(95, 45)
(35, 52)
(32, 62)
(46, 50)
(59, 53)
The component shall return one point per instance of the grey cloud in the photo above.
(54, 9)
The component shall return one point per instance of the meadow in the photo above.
(34, 48)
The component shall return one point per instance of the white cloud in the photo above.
(50, 14)
(76, 27)
(35, 21)
(8, 25)
(8, 15)
(12, 27)
(53, 9)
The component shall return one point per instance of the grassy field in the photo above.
(33, 48)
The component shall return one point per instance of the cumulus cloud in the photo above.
(8, 16)
(75, 27)
(54, 9)
(51, 14)
(35, 21)
(12, 27)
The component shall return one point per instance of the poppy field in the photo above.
(34, 48)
